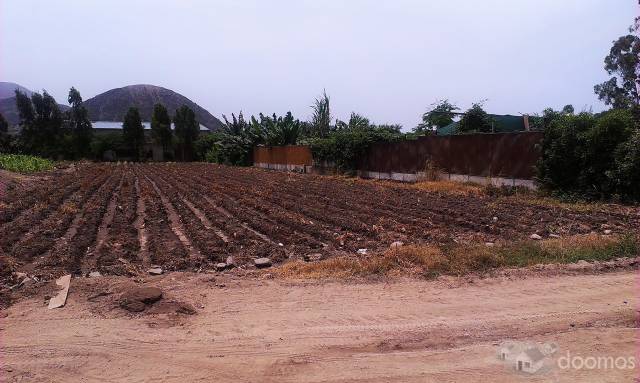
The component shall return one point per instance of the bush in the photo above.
(24, 164)
(344, 147)
(627, 167)
(587, 156)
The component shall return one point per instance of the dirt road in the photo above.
(274, 331)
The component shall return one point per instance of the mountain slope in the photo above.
(8, 107)
(7, 90)
(113, 104)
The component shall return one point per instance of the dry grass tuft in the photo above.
(69, 207)
(451, 187)
(430, 261)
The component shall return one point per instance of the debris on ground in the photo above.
(396, 244)
(362, 251)
(94, 274)
(220, 266)
(262, 262)
(535, 237)
(312, 257)
(60, 299)
(155, 271)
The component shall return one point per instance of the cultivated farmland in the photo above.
(122, 218)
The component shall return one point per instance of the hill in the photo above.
(7, 90)
(113, 104)
(8, 106)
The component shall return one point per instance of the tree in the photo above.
(568, 109)
(440, 115)
(475, 120)
(356, 121)
(133, 132)
(161, 127)
(4, 125)
(5, 140)
(622, 62)
(321, 120)
(276, 131)
(40, 124)
(187, 131)
(81, 129)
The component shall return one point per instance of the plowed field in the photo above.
(115, 218)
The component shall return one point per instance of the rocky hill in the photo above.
(113, 104)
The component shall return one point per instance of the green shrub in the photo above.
(24, 164)
(587, 156)
(344, 147)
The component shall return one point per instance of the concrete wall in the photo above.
(415, 177)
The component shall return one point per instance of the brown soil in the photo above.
(119, 219)
(250, 330)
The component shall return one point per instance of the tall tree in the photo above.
(133, 132)
(5, 140)
(187, 131)
(4, 125)
(440, 115)
(475, 120)
(623, 63)
(321, 120)
(161, 127)
(80, 124)
(40, 123)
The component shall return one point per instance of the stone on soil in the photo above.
(262, 262)
(535, 237)
(221, 266)
(136, 298)
(155, 271)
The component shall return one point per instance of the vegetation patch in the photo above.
(24, 164)
(451, 187)
(430, 261)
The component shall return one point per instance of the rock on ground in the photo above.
(137, 298)
(262, 262)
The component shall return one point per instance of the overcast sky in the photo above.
(388, 60)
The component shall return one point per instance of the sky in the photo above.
(388, 60)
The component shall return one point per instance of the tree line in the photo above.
(584, 154)
(46, 131)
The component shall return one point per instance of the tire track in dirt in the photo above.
(176, 224)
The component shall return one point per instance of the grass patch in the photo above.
(430, 261)
(545, 201)
(24, 164)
